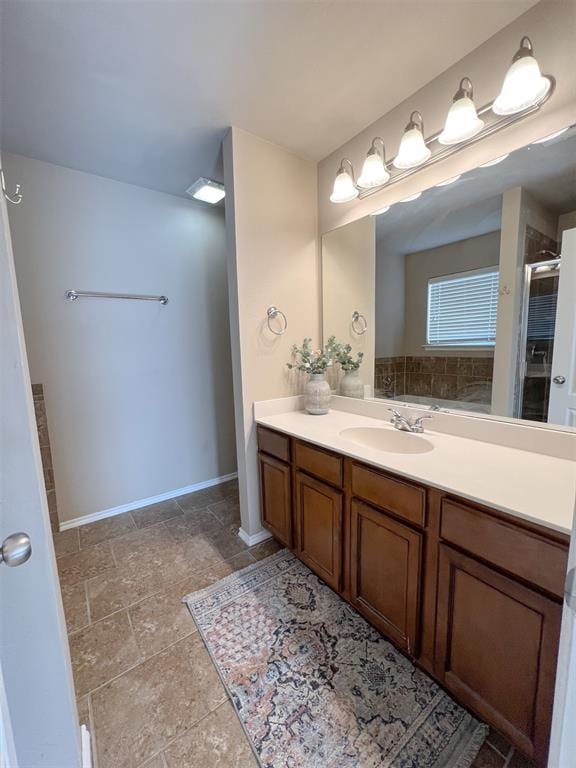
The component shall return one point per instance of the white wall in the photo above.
(551, 27)
(272, 226)
(462, 256)
(138, 395)
(348, 274)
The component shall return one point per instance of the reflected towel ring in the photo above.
(273, 312)
(17, 198)
(357, 317)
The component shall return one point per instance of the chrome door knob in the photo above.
(16, 549)
(559, 379)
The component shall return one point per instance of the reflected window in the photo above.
(462, 309)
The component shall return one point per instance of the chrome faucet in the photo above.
(405, 425)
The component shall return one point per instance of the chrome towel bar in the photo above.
(72, 295)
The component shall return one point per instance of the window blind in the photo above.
(462, 308)
(542, 316)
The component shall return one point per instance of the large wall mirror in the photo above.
(465, 298)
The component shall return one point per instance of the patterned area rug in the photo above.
(315, 685)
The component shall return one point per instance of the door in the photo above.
(496, 649)
(276, 498)
(563, 740)
(385, 564)
(319, 528)
(562, 408)
(38, 710)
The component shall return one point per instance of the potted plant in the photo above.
(314, 363)
(351, 384)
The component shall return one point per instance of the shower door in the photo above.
(562, 405)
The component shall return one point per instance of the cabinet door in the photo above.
(319, 528)
(496, 648)
(386, 564)
(276, 498)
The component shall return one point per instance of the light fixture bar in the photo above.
(417, 152)
(441, 152)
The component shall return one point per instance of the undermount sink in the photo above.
(393, 441)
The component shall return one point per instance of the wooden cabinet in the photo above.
(319, 528)
(276, 497)
(385, 562)
(472, 594)
(496, 647)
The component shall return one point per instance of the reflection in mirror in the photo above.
(471, 304)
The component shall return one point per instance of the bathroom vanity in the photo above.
(469, 585)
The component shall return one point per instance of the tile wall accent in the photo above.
(44, 438)
(447, 378)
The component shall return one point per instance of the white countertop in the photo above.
(536, 487)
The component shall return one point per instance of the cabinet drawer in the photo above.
(319, 463)
(274, 443)
(516, 550)
(401, 498)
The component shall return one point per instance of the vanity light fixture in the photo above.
(344, 186)
(207, 190)
(551, 136)
(410, 198)
(524, 85)
(381, 210)
(462, 121)
(524, 91)
(413, 150)
(374, 173)
(496, 160)
(448, 181)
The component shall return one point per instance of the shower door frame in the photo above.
(529, 270)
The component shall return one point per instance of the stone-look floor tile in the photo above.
(156, 762)
(206, 578)
(265, 549)
(488, 758)
(192, 501)
(137, 715)
(227, 512)
(160, 621)
(120, 588)
(85, 564)
(201, 552)
(102, 651)
(75, 606)
(519, 761)
(192, 523)
(143, 550)
(83, 706)
(156, 513)
(217, 741)
(66, 542)
(102, 530)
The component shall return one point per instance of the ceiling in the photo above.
(472, 205)
(143, 91)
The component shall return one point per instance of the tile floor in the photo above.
(146, 687)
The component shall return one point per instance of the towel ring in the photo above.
(273, 312)
(357, 317)
(15, 199)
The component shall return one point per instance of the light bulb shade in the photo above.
(374, 173)
(344, 189)
(524, 85)
(462, 122)
(413, 150)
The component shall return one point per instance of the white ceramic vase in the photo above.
(317, 395)
(351, 385)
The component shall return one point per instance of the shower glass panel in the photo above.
(541, 293)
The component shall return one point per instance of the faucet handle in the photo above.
(395, 414)
(420, 419)
(417, 425)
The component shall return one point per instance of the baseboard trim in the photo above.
(94, 516)
(255, 538)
